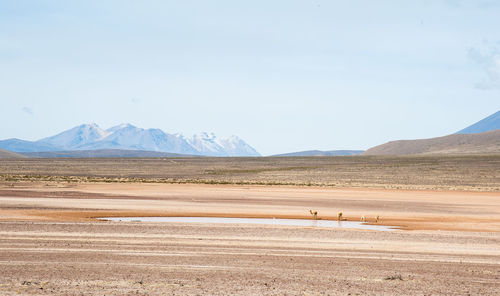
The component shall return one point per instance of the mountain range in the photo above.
(88, 137)
(126, 140)
(322, 153)
(106, 153)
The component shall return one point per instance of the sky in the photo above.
(283, 75)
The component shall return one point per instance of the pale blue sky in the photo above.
(283, 75)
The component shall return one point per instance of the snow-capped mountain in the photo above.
(119, 127)
(75, 137)
(129, 137)
(208, 144)
(234, 146)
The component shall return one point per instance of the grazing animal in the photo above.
(339, 216)
(314, 214)
(363, 219)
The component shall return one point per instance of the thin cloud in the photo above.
(489, 61)
(482, 4)
(27, 110)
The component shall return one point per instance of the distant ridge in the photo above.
(18, 145)
(490, 123)
(488, 142)
(8, 154)
(323, 153)
(102, 153)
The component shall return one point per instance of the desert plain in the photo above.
(446, 209)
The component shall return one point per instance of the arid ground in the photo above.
(447, 209)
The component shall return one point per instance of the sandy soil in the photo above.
(50, 243)
(408, 209)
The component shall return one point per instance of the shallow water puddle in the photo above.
(260, 221)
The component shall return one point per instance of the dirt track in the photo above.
(51, 245)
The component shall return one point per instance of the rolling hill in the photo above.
(488, 142)
(481, 137)
(8, 154)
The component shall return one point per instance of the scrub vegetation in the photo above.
(464, 172)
